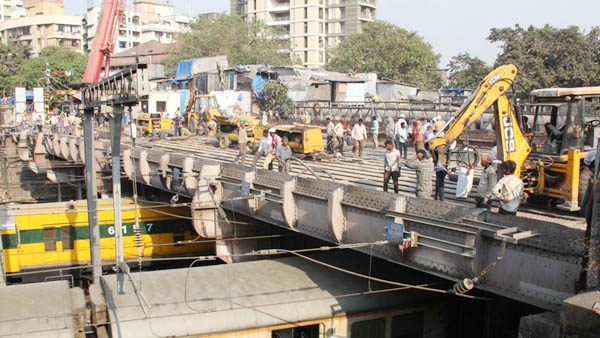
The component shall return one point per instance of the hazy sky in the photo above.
(450, 26)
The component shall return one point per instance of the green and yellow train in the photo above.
(51, 235)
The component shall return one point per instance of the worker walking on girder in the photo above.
(392, 164)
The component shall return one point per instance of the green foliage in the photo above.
(390, 51)
(277, 99)
(243, 42)
(550, 56)
(12, 56)
(467, 71)
(32, 73)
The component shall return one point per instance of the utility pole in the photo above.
(92, 193)
(116, 181)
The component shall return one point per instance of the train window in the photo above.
(374, 328)
(408, 326)
(68, 237)
(309, 331)
(49, 239)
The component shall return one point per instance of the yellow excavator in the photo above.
(549, 162)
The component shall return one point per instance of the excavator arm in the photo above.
(511, 143)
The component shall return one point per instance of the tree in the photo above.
(64, 66)
(242, 41)
(12, 55)
(467, 71)
(277, 99)
(390, 51)
(550, 56)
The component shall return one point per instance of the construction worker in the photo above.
(390, 131)
(242, 142)
(391, 167)
(375, 130)
(509, 190)
(339, 135)
(359, 134)
(418, 138)
(330, 133)
(488, 180)
(284, 155)
(275, 143)
(264, 148)
(402, 139)
(424, 169)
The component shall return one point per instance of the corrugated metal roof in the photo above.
(241, 296)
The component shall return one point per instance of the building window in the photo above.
(161, 106)
(122, 44)
(374, 328)
(306, 28)
(309, 331)
(305, 56)
(305, 12)
(306, 42)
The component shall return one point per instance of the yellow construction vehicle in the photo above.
(152, 122)
(550, 162)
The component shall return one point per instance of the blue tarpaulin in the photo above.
(184, 70)
(184, 95)
(258, 86)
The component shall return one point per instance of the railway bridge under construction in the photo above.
(534, 261)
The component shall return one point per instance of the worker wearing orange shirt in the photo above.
(418, 138)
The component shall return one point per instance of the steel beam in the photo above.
(115, 147)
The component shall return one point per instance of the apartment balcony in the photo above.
(279, 9)
(368, 3)
(279, 23)
(366, 18)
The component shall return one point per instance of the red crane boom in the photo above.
(104, 42)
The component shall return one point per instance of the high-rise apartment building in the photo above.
(147, 20)
(45, 25)
(313, 26)
(11, 9)
(130, 27)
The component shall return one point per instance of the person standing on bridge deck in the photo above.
(375, 129)
(488, 180)
(359, 134)
(424, 170)
(402, 140)
(418, 138)
(392, 164)
(509, 190)
(284, 155)
(264, 148)
(390, 131)
(242, 142)
(275, 143)
(330, 134)
(339, 135)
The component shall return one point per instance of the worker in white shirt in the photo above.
(391, 167)
(264, 147)
(375, 130)
(330, 134)
(339, 135)
(359, 134)
(509, 189)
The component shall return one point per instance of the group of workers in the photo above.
(272, 147)
(508, 190)
(59, 122)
